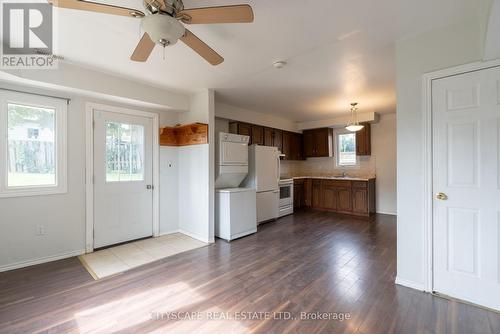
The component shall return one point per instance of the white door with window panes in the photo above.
(123, 193)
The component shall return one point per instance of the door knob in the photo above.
(149, 187)
(442, 196)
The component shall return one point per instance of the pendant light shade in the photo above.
(353, 124)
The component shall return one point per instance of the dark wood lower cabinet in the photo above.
(342, 196)
(360, 200)
(344, 201)
(298, 194)
(330, 197)
(307, 195)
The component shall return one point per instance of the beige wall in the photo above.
(384, 135)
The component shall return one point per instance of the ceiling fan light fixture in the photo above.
(353, 124)
(163, 29)
(134, 13)
(279, 64)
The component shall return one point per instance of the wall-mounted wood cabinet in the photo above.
(292, 146)
(257, 135)
(342, 196)
(241, 128)
(295, 146)
(318, 143)
(184, 135)
(289, 143)
(364, 140)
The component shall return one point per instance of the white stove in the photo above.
(286, 197)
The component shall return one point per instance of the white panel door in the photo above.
(123, 196)
(466, 183)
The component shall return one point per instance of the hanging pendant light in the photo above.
(353, 124)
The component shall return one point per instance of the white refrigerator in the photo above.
(263, 176)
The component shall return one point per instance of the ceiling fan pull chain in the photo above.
(163, 51)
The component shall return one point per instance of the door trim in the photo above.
(428, 196)
(89, 167)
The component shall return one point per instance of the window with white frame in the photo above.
(346, 149)
(32, 145)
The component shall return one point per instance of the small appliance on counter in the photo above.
(263, 176)
(286, 197)
(235, 208)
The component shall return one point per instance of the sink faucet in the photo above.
(344, 174)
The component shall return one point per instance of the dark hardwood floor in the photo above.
(309, 262)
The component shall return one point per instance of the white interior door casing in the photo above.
(123, 196)
(466, 226)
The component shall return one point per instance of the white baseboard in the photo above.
(168, 232)
(387, 213)
(41, 260)
(196, 236)
(410, 284)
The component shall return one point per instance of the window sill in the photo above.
(33, 192)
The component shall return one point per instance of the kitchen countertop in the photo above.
(329, 177)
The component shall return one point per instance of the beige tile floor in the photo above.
(117, 259)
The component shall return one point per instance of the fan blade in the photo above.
(222, 14)
(201, 48)
(143, 49)
(96, 7)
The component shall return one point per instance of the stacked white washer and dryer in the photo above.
(235, 207)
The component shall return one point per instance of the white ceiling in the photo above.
(337, 51)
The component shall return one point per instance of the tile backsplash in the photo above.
(327, 166)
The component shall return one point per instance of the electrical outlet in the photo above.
(40, 230)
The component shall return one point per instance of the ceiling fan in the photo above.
(162, 23)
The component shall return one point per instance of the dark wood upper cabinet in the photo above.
(297, 152)
(245, 130)
(289, 143)
(273, 137)
(241, 128)
(364, 140)
(318, 143)
(257, 135)
(308, 143)
(292, 145)
(278, 139)
(268, 137)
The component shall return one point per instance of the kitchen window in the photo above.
(346, 150)
(32, 145)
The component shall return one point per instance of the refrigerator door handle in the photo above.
(279, 168)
